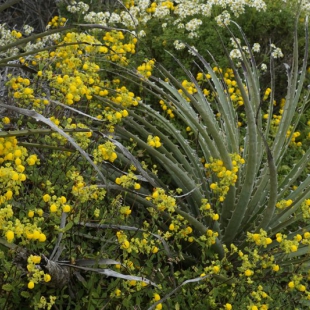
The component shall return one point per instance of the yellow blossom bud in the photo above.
(228, 306)
(276, 268)
(137, 186)
(291, 284)
(117, 292)
(46, 197)
(155, 250)
(42, 238)
(66, 208)
(47, 277)
(215, 217)
(31, 213)
(9, 235)
(248, 272)
(30, 285)
(53, 208)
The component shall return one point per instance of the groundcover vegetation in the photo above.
(154, 155)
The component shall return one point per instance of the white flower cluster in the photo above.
(178, 45)
(78, 7)
(161, 12)
(276, 51)
(193, 25)
(223, 19)
(263, 67)
(256, 48)
(48, 40)
(142, 4)
(100, 18)
(235, 54)
(6, 38)
(193, 50)
(27, 30)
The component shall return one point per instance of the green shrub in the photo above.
(184, 198)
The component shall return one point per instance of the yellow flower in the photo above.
(6, 120)
(137, 186)
(155, 250)
(291, 284)
(53, 208)
(294, 248)
(159, 307)
(156, 297)
(248, 272)
(9, 194)
(31, 213)
(228, 306)
(46, 197)
(30, 285)
(62, 199)
(126, 244)
(215, 217)
(66, 208)
(42, 237)
(216, 269)
(47, 277)
(9, 235)
(275, 268)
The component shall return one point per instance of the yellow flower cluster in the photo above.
(128, 181)
(116, 48)
(14, 228)
(293, 141)
(165, 108)
(153, 141)
(21, 89)
(45, 304)
(267, 93)
(260, 239)
(13, 162)
(190, 89)
(123, 241)
(232, 88)
(145, 70)
(105, 151)
(57, 204)
(56, 22)
(35, 274)
(16, 34)
(152, 8)
(289, 246)
(226, 177)
(305, 208)
(283, 204)
(207, 211)
(83, 191)
(162, 200)
(180, 229)
(299, 284)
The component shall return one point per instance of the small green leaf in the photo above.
(68, 226)
(7, 287)
(25, 294)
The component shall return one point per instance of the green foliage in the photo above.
(137, 177)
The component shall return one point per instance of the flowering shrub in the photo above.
(124, 185)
